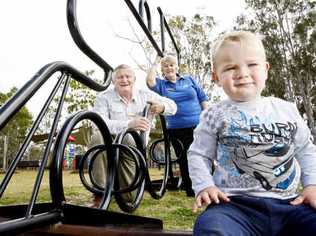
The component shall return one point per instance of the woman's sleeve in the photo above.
(199, 91)
(158, 86)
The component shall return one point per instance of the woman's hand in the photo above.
(209, 195)
(151, 75)
(157, 60)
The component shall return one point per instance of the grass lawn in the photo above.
(174, 208)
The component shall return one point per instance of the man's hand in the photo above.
(308, 196)
(209, 195)
(139, 123)
(156, 107)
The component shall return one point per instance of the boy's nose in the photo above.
(243, 73)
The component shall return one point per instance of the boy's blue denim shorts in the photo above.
(246, 215)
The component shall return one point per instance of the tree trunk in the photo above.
(5, 151)
(309, 111)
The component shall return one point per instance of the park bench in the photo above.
(29, 164)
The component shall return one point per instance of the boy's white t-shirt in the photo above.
(259, 148)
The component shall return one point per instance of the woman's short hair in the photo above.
(169, 58)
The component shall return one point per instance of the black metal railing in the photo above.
(139, 16)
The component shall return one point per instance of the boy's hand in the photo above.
(208, 196)
(308, 196)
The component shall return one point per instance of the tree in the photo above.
(16, 130)
(290, 39)
(193, 38)
(79, 97)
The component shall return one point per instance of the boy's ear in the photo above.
(267, 69)
(215, 78)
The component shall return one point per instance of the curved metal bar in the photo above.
(140, 161)
(27, 140)
(164, 24)
(143, 134)
(143, 165)
(98, 189)
(23, 95)
(141, 5)
(94, 151)
(167, 146)
(130, 206)
(41, 170)
(55, 176)
(81, 43)
(149, 185)
(153, 156)
(162, 32)
(168, 168)
(139, 166)
(144, 27)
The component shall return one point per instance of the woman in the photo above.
(190, 100)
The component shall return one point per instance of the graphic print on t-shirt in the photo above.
(262, 149)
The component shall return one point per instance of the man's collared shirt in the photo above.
(117, 113)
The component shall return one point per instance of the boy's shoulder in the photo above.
(279, 103)
(277, 100)
(268, 102)
(216, 108)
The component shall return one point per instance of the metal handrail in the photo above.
(144, 27)
(147, 30)
(141, 5)
(23, 95)
(164, 25)
(81, 43)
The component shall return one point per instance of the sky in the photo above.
(34, 33)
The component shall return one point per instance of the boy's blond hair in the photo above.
(122, 67)
(236, 36)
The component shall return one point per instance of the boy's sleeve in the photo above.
(306, 152)
(201, 152)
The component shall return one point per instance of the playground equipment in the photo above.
(60, 217)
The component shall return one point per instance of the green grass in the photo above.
(174, 208)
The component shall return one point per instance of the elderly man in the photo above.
(121, 107)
